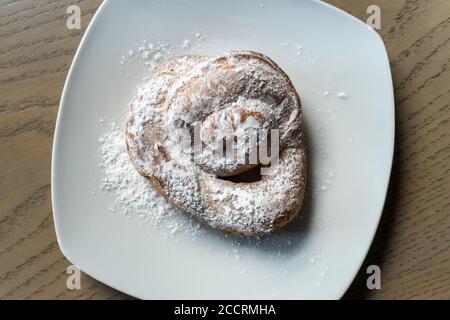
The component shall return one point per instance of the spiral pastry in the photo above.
(217, 99)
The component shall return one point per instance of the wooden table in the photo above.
(412, 243)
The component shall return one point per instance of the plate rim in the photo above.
(392, 140)
(61, 108)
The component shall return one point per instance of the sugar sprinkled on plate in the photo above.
(342, 95)
(133, 194)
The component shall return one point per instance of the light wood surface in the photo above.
(412, 243)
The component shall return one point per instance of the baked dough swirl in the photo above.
(217, 99)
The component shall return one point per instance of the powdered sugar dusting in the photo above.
(152, 54)
(168, 103)
(133, 194)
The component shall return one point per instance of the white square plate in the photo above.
(350, 143)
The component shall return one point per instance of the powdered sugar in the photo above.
(164, 105)
(151, 54)
(135, 197)
(342, 95)
(133, 194)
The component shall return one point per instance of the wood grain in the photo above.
(412, 243)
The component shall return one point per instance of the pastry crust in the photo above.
(226, 95)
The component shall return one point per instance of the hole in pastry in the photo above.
(252, 175)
